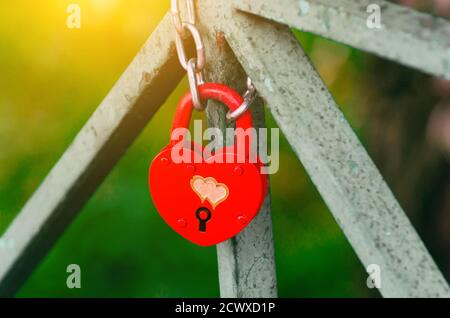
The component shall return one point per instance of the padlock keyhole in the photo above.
(203, 215)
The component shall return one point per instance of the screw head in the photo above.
(242, 219)
(191, 169)
(182, 222)
(164, 161)
(238, 171)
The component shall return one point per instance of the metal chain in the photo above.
(194, 79)
(200, 60)
(194, 66)
(176, 15)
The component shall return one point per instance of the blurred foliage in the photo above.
(51, 80)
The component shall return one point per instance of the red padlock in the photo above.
(205, 201)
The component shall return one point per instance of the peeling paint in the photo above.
(268, 83)
(246, 262)
(304, 7)
(117, 121)
(408, 37)
(353, 166)
(329, 149)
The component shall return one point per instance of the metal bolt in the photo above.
(242, 219)
(164, 161)
(182, 222)
(238, 171)
(191, 169)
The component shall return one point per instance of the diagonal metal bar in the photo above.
(408, 37)
(125, 111)
(246, 262)
(337, 163)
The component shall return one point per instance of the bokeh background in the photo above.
(51, 80)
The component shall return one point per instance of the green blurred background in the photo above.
(51, 80)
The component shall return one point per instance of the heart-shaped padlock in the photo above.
(207, 200)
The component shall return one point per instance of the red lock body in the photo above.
(204, 201)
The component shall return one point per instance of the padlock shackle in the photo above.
(219, 92)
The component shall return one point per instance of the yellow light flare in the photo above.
(104, 7)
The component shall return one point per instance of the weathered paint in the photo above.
(349, 182)
(246, 262)
(118, 120)
(337, 163)
(408, 37)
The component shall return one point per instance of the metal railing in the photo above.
(242, 36)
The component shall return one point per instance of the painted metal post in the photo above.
(405, 36)
(349, 182)
(246, 262)
(124, 112)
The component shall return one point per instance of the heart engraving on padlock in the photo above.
(207, 200)
(209, 189)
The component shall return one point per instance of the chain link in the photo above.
(249, 98)
(200, 60)
(176, 15)
(194, 66)
(194, 79)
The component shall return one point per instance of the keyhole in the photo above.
(203, 215)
